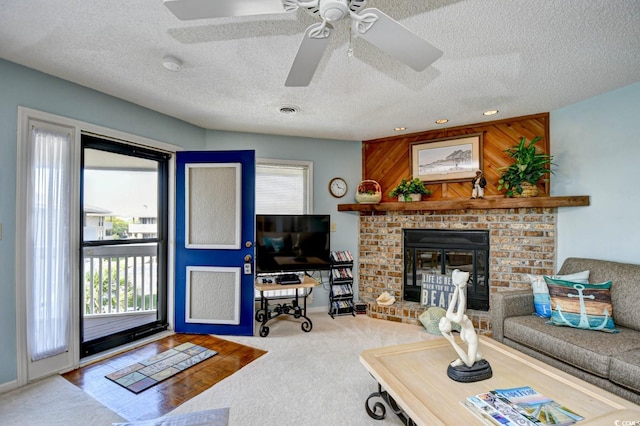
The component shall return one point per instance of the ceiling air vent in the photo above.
(288, 110)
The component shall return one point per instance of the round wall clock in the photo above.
(338, 187)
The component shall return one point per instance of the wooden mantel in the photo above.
(494, 202)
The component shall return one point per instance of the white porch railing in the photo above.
(120, 278)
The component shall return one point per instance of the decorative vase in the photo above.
(368, 192)
(528, 190)
(410, 197)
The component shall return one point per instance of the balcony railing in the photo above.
(120, 279)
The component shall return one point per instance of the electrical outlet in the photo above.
(333, 227)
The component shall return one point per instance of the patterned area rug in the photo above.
(146, 373)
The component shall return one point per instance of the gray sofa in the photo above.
(610, 361)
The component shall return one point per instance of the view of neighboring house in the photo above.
(143, 227)
(98, 225)
(95, 225)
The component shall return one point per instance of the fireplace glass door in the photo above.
(436, 256)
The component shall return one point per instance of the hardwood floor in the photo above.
(167, 395)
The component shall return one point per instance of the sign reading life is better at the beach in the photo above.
(437, 290)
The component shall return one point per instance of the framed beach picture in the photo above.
(450, 159)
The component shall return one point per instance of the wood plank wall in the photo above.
(387, 160)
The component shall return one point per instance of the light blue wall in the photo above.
(596, 144)
(20, 86)
(330, 158)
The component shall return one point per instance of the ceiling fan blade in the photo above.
(313, 45)
(206, 9)
(395, 39)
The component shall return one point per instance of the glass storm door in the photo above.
(125, 193)
(214, 242)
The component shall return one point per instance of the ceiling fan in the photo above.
(370, 24)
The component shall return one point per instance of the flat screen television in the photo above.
(292, 243)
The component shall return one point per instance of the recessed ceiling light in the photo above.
(399, 129)
(490, 112)
(172, 63)
(442, 121)
(288, 109)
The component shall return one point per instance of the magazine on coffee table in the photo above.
(521, 406)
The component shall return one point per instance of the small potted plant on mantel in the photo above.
(410, 190)
(520, 179)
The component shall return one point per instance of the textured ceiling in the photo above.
(517, 56)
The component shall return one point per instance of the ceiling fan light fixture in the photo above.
(172, 63)
(490, 112)
(442, 120)
(334, 10)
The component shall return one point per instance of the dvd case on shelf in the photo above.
(341, 256)
(341, 284)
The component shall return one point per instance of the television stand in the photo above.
(268, 311)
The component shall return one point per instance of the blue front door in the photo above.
(215, 199)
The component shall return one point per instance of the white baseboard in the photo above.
(9, 386)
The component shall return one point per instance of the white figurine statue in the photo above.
(467, 331)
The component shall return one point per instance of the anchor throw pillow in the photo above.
(541, 300)
(581, 305)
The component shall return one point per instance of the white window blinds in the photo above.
(283, 187)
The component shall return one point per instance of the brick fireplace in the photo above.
(522, 241)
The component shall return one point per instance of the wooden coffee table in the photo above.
(413, 381)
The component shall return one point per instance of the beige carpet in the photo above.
(53, 402)
(310, 378)
(305, 379)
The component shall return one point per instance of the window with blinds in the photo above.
(283, 187)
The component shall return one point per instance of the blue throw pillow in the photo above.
(579, 305)
(541, 299)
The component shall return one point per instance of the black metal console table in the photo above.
(268, 311)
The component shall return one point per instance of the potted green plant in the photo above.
(410, 190)
(520, 179)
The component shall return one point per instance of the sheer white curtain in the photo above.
(48, 247)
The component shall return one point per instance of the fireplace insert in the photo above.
(430, 255)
